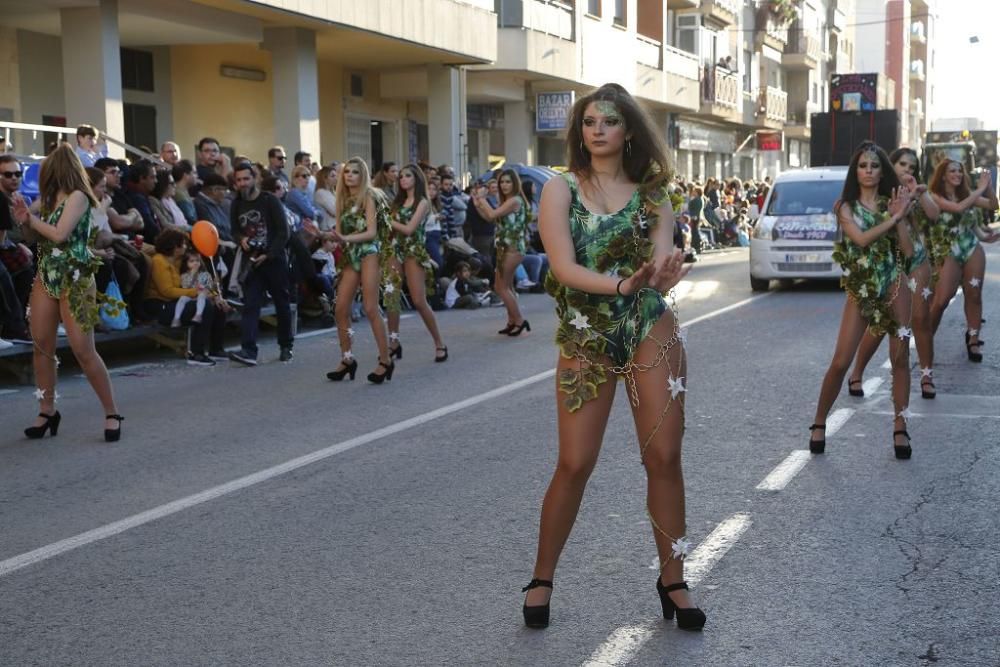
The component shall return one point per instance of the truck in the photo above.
(976, 149)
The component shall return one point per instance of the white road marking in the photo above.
(5, 392)
(835, 421)
(785, 471)
(109, 530)
(870, 385)
(887, 364)
(623, 644)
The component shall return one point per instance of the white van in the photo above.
(795, 233)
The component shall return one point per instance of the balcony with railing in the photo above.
(917, 71)
(772, 107)
(537, 36)
(721, 93)
(721, 12)
(683, 4)
(682, 72)
(551, 17)
(918, 33)
(802, 51)
(649, 52)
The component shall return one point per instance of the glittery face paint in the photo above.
(608, 110)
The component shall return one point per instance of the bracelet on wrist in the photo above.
(618, 287)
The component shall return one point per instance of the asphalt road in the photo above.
(266, 516)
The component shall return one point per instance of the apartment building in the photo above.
(456, 81)
(899, 44)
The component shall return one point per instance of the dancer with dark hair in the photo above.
(607, 226)
(872, 214)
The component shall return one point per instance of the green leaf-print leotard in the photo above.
(510, 233)
(68, 268)
(353, 221)
(414, 246)
(594, 328)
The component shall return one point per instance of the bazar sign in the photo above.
(552, 111)
(807, 227)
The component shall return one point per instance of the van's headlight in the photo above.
(762, 230)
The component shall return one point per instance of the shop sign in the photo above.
(552, 111)
(695, 137)
(853, 92)
(768, 140)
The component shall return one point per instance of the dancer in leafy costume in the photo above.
(410, 259)
(358, 213)
(608, 231)
(959, 257)
(874, 253)
(511, 220)
(65, 287)
(923, 212)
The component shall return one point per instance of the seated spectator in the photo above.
(212, 205)
(86, 145)
(432, 225)
(304, 159)
(121, 259)
(184, 180)
(464, 291)
(385, 179)
(165, 289)
(211, 159)
(276, 160)
(326, 197)
(11, 174)
(326, 265)
(161, 201)
(170, 153)
(298, 199)
(141, 182)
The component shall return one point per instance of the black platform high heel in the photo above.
(51, 424)
(350, 368)
(375, 378)
(974, 356)
(397, 351)
(113, 434)
(518, 328)
(536, 616)
(817, 446)
(860, 393)
(442, 358)
(690, 618)
(901, 451)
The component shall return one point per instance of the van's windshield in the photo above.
(804, 197)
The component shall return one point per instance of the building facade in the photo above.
(462, 82)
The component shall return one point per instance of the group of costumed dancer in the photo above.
(906, 248)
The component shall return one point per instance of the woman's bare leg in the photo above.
(580, 437)
(852, 328)
(659, 425)
(370, 276)
(82, 344)
(921, 314)
(392, 316)
(866, 350)
(347, 288)
(44, 324)
(416, 278)
(948, 280)
(505, 286)
(972, 287)
(899, 356)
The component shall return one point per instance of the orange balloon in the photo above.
(205, 238)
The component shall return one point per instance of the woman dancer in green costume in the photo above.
(410, 260)
(511, 219)
(607, 226)
(876, 246)
(919, 279)
(956, 248)
(64, 287)
(359, 209)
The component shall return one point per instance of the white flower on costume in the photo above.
(389, 289)
(926, 372)
(956, 250)
(680, 548)
(39, 394)
(847, 272)
(863, 292)
(581, 321)
(973, 332)
(56, 252)
(676, 386)
(975, 282)
(348, 355)
(906, 413)
(912, 283)
(350, 333)
(904, 333)
(926, 293)
(863, 262)
(76, 275)
(877, 317)
(354, 209)
(56, 397)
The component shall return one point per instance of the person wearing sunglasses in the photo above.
(276, 161)
(16, 264)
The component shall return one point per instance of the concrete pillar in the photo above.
(518, 133)
(92, 71)
(296, 89)
(447, 120)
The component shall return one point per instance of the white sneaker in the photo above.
(4, 344)
(525, 284)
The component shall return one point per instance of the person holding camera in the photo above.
(260, 227)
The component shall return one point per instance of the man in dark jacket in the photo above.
(258, 223)
(141, 181)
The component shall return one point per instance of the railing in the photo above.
(680, 62)
(551, 17)
(774, 102)
(917, 32)
(650, 52)
(488, 5)
(776, 32)
(67, 132)
(720, 87)
(731, 6)
(803, 43)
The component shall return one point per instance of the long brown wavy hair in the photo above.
(419, 188)
(62, 172)
(937, 180)
(645, 162)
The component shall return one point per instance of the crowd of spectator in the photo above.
(149, 206)
(715, 213)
